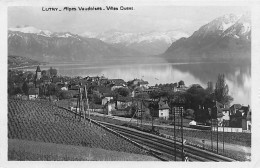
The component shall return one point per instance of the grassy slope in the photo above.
(42, 122)
(33, 151)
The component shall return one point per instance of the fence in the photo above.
(227, 129)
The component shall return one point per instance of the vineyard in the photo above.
(43, 122)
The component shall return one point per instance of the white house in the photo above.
(33, 93)
(164, 110)
(110, 107)
(64, 88)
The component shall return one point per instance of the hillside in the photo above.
(18, 61)
(227, 38)
(42, 122)
(61, 47)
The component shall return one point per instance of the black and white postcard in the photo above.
(168, 83)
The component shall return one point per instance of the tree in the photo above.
(210, 87)
(25, 88)
(221, 91)
(142, 95)
(156, 94)
(123, 91)
(52, 89)
(53, 72)
(44, 73)
(181, 82)
(65, 94)
(195, 96)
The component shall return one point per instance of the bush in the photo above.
(65, 94)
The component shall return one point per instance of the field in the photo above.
(40, 121)
(36, 151)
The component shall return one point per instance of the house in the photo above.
(117, 81)
(234, 108)
(116, 86)
(225, 119)
(142, 108)
(64, 88)
(33, 93)
(92, 79)
(240, 116)
(143, 84)
(246, 120)
(110, 106)
(180, 87)
(123, 102)
(106, 98)
(164, 109)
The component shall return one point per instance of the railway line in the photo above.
(166, 147)
(159, 147)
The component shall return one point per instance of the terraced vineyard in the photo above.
(41, 121)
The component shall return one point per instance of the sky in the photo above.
(142, 19)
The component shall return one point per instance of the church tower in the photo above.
(38, 73)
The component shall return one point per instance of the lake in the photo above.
(238, 77)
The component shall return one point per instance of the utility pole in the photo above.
(182, 144)
(86, 94)
(77, 108)
(211, 136)
(88, 109)
(80, 103)
(142, 111)
(174, 133)
(217, 134)
(223, 134)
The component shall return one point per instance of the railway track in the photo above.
(161, 148)
(166, 148)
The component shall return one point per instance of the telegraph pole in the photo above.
(211, 132)
(86, 94)
(80, 103)
(174, 131)
(217, 134)
(223, 134)
(182, 144)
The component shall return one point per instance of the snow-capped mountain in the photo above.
(241, 29)
(46, 46)
(226, 38)
(150, 43)
(33, 30)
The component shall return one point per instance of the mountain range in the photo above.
(149, 43)
(45, 46)
(227, 38)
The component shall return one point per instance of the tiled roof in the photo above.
(163, 106)
(236, 106)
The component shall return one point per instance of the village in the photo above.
(131, 99)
